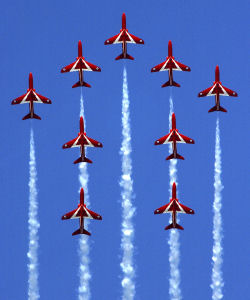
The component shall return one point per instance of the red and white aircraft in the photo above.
(81, 212)
(82, 141)
(31, 97)
(174, 207)
(80, 65)
(123, 38)
(217, 89)
(174, 137)
(169, 65)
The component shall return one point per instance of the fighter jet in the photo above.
(217, 89)
(80, 65)
(174, 137)
(81, 212)
(169, 65)
(174, 207)
(31, 97)
(123, 38)
(82, 141)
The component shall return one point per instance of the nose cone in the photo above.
(217, 73)
(123, 21)
(79, 49)
(30, 81)
(170, 52)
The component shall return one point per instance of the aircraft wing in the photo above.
(114, 40)
(20, 100)
(185, 209)
(165, 139)
(72, 143)
(68, 68)
(89, 142)
(228, 92)
(91, 67)
(70, 215)
(160, 67)
(91, 214)
(134, 39)
(42, 99)
(164, 209)
(184, 139)
(179, 66)
(207, 92)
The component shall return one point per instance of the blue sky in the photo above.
(41, 37)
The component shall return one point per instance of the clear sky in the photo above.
(41, 37)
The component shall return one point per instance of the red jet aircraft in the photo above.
(82, 141)
(124, 37)
(174, 137)
(80, 65)
(169, 65)
(174, 207)
(81, 212)
(217, 89)
(30, 97)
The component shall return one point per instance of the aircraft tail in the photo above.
(28, 116)
(79, 84)
(168, 84)
(81, 231)
(83, 159)
(171, 226)
(122, 56)
(216, 109)
(178, 156)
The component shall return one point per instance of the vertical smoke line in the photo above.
(217, 260)
(33, 288)
(84, 270)
(128, 210)
(173, 242)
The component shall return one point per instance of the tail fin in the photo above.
(216, 109)
(83, 159)
(79, 84)
(28, 116)
(178, 156)
(171, 226)
(81, 231)
(121, 56)
(173, 84)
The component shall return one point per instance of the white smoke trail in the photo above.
(173, 242)
(33, 288)
(217, 276)
(126, 183)
(84, 271)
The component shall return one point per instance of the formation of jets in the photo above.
(82, 140)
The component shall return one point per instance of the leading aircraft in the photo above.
(174, 207)
(174, 137)
(80, 65)
(31, 97)
(81, 212)
(216, 90)
(123, 38)
(82, 141)
(169, 65)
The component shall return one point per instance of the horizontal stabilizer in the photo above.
(177, 156)
(82, 159)
(171, 226)
(220, 108)
(173, 84)
(126, 56)
(81, 84)
(81, 231)
(28, 116)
